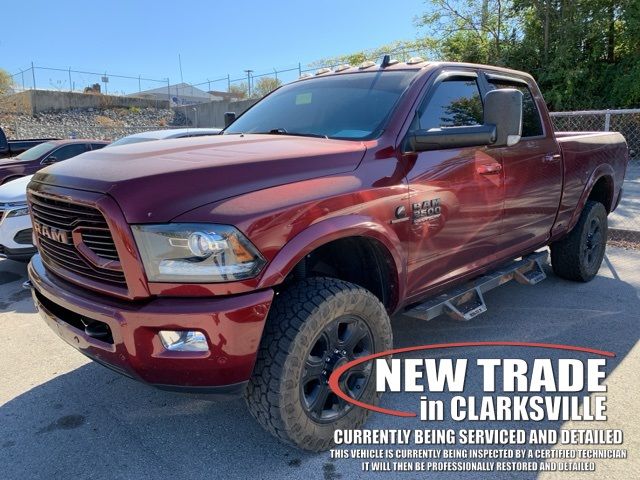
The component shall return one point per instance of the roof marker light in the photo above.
(415, 60)
(367, 64)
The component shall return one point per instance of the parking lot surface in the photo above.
(62, 416)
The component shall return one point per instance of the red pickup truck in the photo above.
(259, 261)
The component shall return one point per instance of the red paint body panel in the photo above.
(233, 327)
(289, 195)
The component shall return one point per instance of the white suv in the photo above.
(15, 223)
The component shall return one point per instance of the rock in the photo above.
(102, 124)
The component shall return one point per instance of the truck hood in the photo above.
(15, 191)
(157, 181)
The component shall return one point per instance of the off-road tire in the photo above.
(574, 257)
(297, 318)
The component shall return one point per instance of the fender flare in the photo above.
(601, 171)
(331, 229)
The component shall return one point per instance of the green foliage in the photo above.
(5, 81)
(471, 30)
(585, 54)
(264, 86)
(402, 50)
(240, 90)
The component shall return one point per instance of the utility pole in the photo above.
(180, 64)
(249, 72)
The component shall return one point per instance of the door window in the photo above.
(455, 103)
(69, 151)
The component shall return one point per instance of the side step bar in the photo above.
(466, 302)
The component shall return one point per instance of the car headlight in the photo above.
(18, 213)
(196, 253)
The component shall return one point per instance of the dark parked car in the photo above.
(45, 154)
(11, 148)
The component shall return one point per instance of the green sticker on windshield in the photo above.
(303, 98)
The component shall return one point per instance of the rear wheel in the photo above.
(579, 255)
(313, 328)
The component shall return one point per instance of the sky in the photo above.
(212, 38)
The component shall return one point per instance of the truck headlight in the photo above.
(196, 253)
(18, 212)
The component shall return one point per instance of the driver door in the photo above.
(456, 194)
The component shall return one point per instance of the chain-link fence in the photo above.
(252, 83)
(627, 122)
(627, 217)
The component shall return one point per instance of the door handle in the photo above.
(489, 169)
(551, 157)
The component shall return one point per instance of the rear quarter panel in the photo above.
(587, 158)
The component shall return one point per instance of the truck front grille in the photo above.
(56, 220)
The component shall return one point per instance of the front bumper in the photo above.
(9, 228)
(232, 325)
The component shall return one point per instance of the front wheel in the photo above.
(579, 255)
(313, 328)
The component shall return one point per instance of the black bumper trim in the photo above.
(21, 254)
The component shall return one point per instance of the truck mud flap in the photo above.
(467, 302)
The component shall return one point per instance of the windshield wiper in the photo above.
(283, 131)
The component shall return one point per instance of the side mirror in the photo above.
(229, 118)
(49, 160)
(503, 108)
(502, 126)
(452, 137)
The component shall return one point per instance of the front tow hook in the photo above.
(27, 285)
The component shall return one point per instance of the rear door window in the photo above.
(531, 122)
(69, 151)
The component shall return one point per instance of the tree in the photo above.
(471, 30)
(402, 50)
(264, 86)
(240, 90)
(585, 54)
(6, 81)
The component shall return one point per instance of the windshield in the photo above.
(129, 140)
(348, 106)
(36, 152)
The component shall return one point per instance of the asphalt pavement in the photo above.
(62, 416)
(627, 215)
